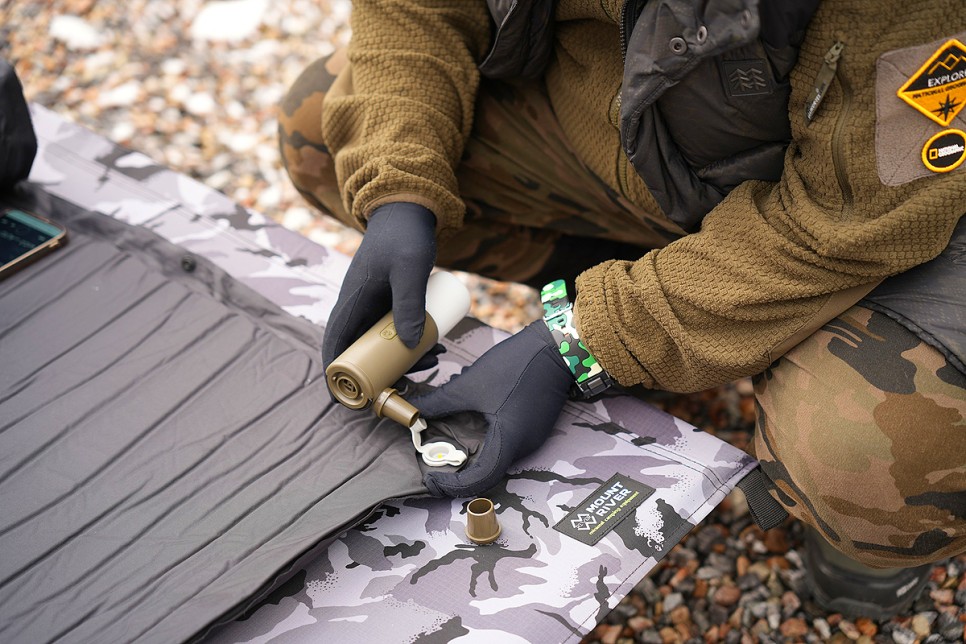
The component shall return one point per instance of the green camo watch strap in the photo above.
(590, 378)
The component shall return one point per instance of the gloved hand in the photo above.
(520, 386)
(389, 271)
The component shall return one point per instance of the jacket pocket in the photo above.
(831, 72)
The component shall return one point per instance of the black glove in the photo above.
(389, 271)
(520, 386)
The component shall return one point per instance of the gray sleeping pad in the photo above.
(163, 433)
(154, 490)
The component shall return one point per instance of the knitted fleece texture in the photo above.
(584, 83)
(400, 132)
(772, 263)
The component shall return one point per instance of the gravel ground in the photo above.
(195, 86)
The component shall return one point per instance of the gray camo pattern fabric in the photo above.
(407, 573)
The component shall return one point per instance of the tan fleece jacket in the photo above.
(771, 263)
(400, 133)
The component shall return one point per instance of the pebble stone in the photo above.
(75, 33)
(672, 601)
(822, 628)
(903, 636)
(727, 595)
(197, 92)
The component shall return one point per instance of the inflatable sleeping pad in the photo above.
(172, 468)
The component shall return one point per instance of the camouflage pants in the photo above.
(861, 427)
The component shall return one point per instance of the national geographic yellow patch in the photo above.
(945, 151)
(938, 89)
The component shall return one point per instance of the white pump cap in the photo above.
(435, 454)
(447, 301)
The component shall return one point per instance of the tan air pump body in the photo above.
(365, 372)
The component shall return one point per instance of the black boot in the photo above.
(842, 585)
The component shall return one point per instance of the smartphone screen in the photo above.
(24, 237)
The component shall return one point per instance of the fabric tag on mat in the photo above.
(906, 118)
(607, 506)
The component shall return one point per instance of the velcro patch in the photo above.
(920, 92)
(938, 88)
(945, 151)
(600, 512)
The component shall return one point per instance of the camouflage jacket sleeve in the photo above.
(775, 261)
(398, 129)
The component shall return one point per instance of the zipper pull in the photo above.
(823, 80)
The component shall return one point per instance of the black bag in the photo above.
(18, 143)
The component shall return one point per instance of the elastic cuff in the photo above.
(444, 225)
(599, 331)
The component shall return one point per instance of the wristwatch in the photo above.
(590, 378)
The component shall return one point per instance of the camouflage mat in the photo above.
(408, 574)
(570, 548)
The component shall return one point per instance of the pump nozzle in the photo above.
(365, 372)
(389, 404)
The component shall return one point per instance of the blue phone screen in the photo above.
(21, 233)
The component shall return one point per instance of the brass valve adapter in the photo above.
(482, 526)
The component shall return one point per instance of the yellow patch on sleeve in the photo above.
(945, 151)
(938, 88)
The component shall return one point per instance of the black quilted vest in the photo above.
(704, 101)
